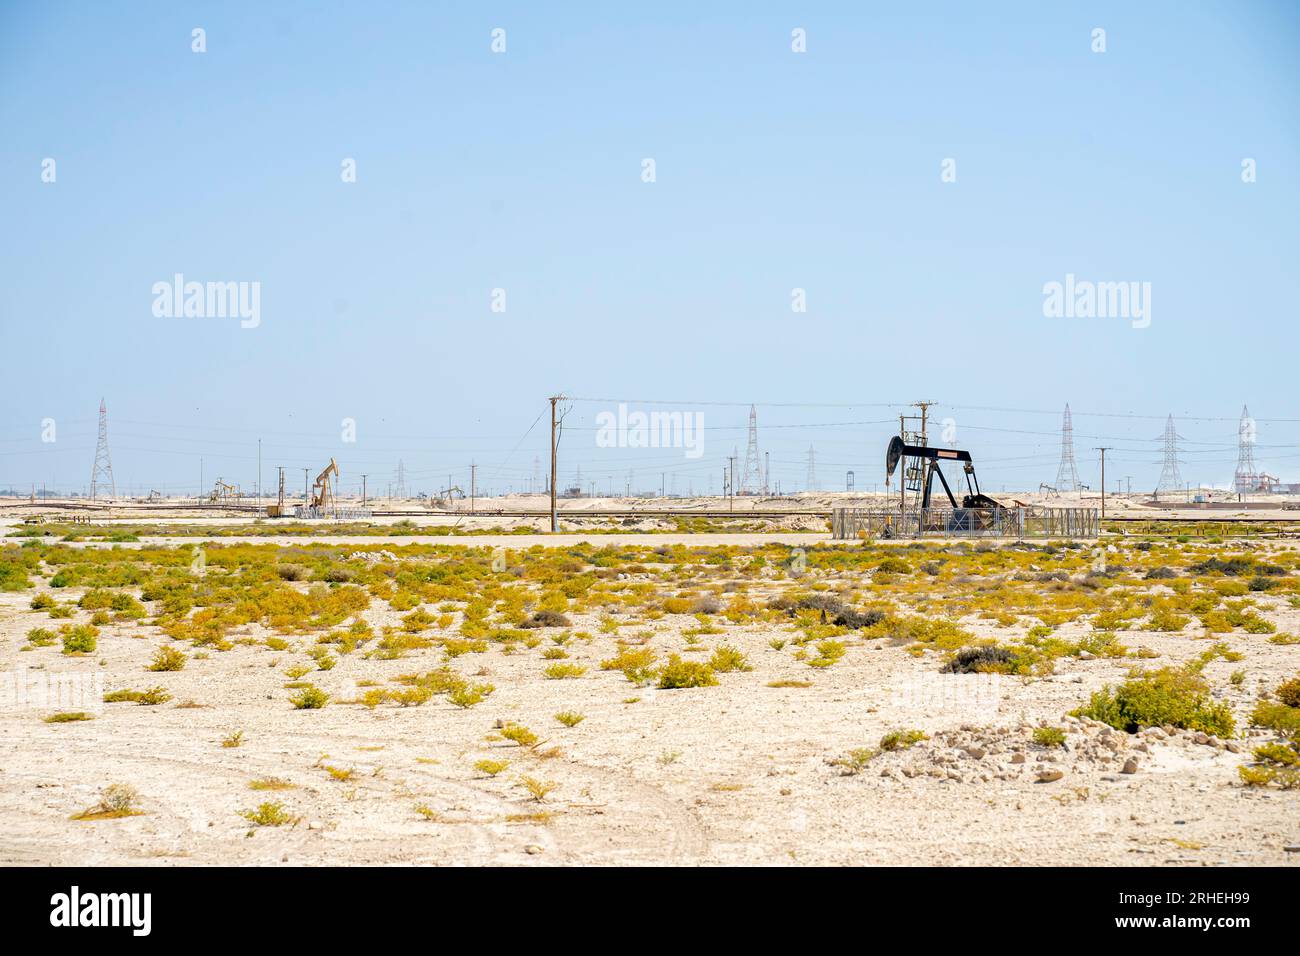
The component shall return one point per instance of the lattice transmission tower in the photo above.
(102, 473)
(1170, 479)
(812, 469)
(751, 480)
(1067, 475)
(400, 485)
(1246, 479)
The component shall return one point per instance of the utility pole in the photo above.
(305, 500)
(555, 524)
(259, 471)
(363, 491)
(1103, 479)
(200, 477)
(473, 485)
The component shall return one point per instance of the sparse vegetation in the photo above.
(310, 697)
(537, 788)
(167, 659)
(117, 800)
(1049, 736)
(269, 814)
(677, 673)
(1169, 696)
(518, 734)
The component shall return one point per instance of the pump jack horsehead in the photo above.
(323, 490)
(977, 510)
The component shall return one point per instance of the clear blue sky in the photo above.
(522, 171)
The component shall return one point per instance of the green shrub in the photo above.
(828, 652)
(855, 761)
(726, 659)
(1049, 736)
(678, 673)
(1168, 696)
(13, 575)
(902, 739)
(167, 659)
(636, 665)
(41, 637)
(1277, 763)
(986, 659)
(519, 734)
(79, 638)
(893, 565)
(564, 671)
(466, 696)
(269, 814)
(1288, 692)
(310, 697)
(148, 698)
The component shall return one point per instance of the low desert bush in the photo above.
(117, 800)
(546, 619)
(1277, 763)
(564, 671)
(538, 788)
(519, 734)
(1168, 696)
(677, 673)
(1049, 736)
(79, 638)
(636, 664)
(310, 697)
(269, 814)
(902, 739)
(167, 659)
(726, 659)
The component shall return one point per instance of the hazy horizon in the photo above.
(916, 180)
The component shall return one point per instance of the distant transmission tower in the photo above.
(812, 469)
(401, 479)
(1246, 478)
(102, 474)
(537, 475)
(1170, 479)
(1067, 476)
(751, 481)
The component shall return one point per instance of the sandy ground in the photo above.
(742, 773)
(184, 511)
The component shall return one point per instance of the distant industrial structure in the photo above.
(1248, 479)
(1170, 478)
(101, 475)
(1067, 475)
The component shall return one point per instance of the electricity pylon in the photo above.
(751, 482)
(1170, 479)
(1067, 475)
(102, 473)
